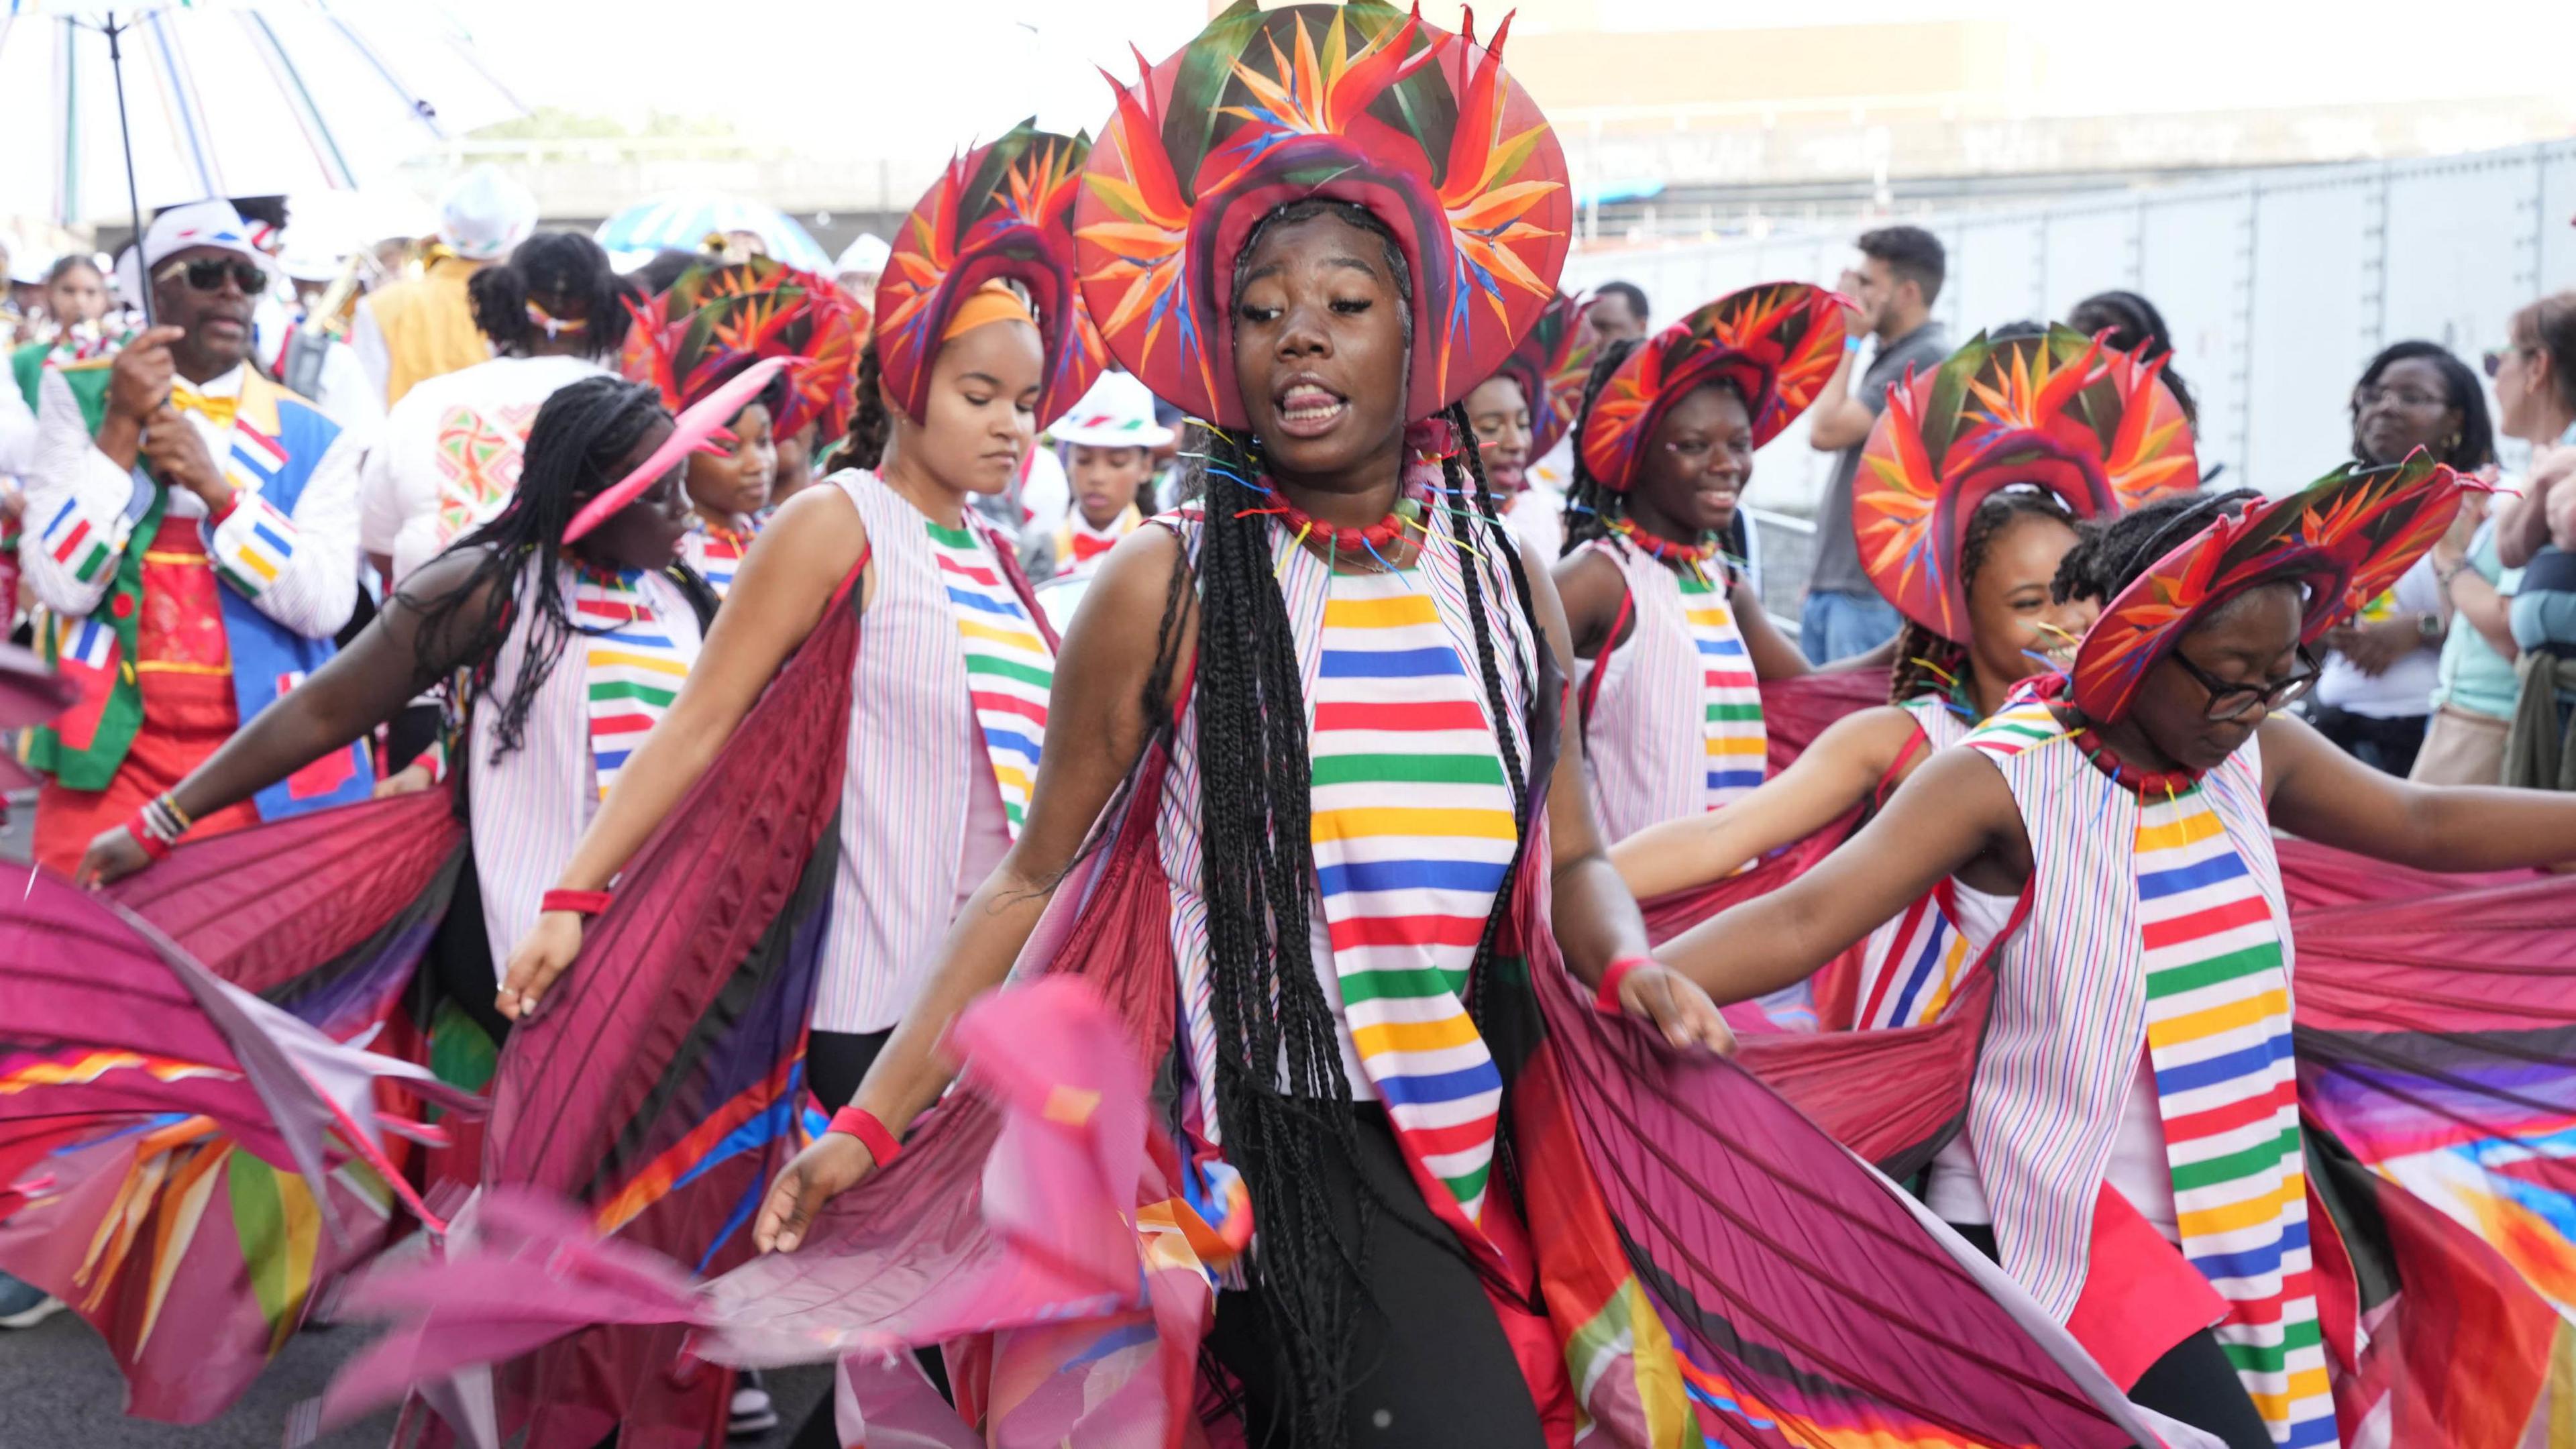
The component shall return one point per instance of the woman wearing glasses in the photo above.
(2535, 386)
(2376, 694)
(193, 532)
(2132, 1148)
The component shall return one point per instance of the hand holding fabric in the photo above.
(539, 960)
(832, 1165)
(111, 857)
(1676, 1008)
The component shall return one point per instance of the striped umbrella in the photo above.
(683, 222)
(224, 98)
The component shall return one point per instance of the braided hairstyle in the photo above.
(563, 272)
(581, 436)
(1271, 1014)
(2108, 557)
(1928, 663)
(870, 423)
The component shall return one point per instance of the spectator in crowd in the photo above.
(423, 327)
(196, 532)
(1618, 312)
(2535, 386)
(2376, 694)
(1895, 285)
(2136, 326)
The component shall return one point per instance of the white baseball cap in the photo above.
(208, 223)
(1116, 413)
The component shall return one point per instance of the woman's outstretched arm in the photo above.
(1097, 727)
(2322, 794)
(1833, 775)
(383, 669)
(1955, 809)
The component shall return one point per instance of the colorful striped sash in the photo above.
(1912, 965)
(1728, 689)
(632, 669)
(2218, 1037)
(1008, 668)
(716, 553)
(1413, 830)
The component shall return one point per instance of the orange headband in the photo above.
(994, 301)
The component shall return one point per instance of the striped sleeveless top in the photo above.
(1676, 726)
(923, 819)
(1389, 924)
(2156, 926)
(527, 809)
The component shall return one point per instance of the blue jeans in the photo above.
(1837, 626)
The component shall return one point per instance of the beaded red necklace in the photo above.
(2145, 784)
(1374, 540)
(1662, 549)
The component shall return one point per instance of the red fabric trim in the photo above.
(2141, 1295)
(1601, 661)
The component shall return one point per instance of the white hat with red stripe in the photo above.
(1116, 413)
(209, 223)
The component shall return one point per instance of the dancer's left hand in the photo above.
(1677, 1008)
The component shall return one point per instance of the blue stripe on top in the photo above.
(2156, 885)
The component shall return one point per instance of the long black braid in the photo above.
(1927, 663)
(581, 435)
(1271, 1014)
(1590, 504)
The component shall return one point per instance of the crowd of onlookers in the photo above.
(2463, 673)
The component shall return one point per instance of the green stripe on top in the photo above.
(2174, 980)
(2273, 1358)
(631, 689)
(2254, 1159)
(1400, 984)
(1733, 713)
(1694, 584)
(953, 537)
(1408, 769)
(1010, 669)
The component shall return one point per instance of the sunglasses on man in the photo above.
(207, 274)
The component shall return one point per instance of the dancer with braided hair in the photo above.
(2133, 1135)
(567, 643)
(1963, 515)
(1349, 675)
(1674, 647)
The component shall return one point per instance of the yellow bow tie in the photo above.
(216, 410)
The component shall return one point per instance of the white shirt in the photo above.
(2406, 688)
(73, 483)
(449, 453)
(17, 432)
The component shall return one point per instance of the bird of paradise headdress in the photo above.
(1776, 343)
(1003, 212)
(2343, 539)
(2069, 415)
(1551, 364)
(1359, 103)
(717, 320)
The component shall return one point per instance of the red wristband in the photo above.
(580, 903)
(1607, 1002)
(863, 1124)
(220, 514)
(154, 848)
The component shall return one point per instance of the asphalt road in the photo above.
(59, 1390)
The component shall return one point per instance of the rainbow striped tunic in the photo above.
(2154, 926)
(1411, 825)
(716, 553)
(632, 667)
(1413, 830)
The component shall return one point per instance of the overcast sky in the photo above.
(816, 69)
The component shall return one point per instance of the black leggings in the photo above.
(1431, 1367)
(835, 1063)
(2194, 1382)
